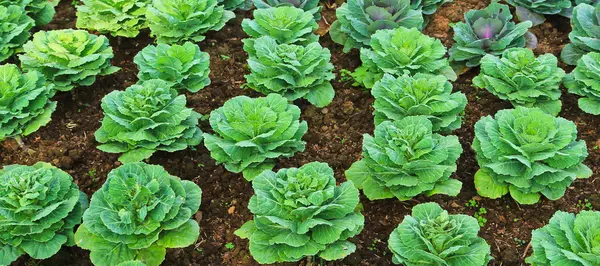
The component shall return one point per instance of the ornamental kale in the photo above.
(146, 118)
(358, 20)
(68, 58)
(235, 4)
(287, 25)
(523, 79)
(406, 159)
(400, 52)
(568, 239)
(311, 6)
(118, 17)
(14, 30)
(486, 31)
(527, 152)
(25, 104)
(300, 212)
(427, 95)
(585, 36)
(42, 11)
(140, 211)
(583, 81)
(428, 7)
(250, 133)
(534, 10)
(185, 67)
(178, 21)
(294, 71)
(40, 208)
(431, 236)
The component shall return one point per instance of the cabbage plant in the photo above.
(422, 94)
(584, 81)
(118, 17)
(185, 67)
(251, 133)
(431, 236)
(358, 20)
(486, 31)
(301, 212)
(287, 25)
(40, 207)
(405, 159)
(568, 239)
(294, 71)
(400, 52)
(235, 4)
(41, 11)
(523, 79)
(139, 212)
(14, 30)
(311, 6)
(145, 118)
(528, 153)
(428, 7)
(25, 104)
(68, 58)
(178, 21)
(534, 10)
(584, 35)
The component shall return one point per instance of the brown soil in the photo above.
(335, 136)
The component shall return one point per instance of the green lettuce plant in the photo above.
(118, 17)
(431, 236)
(405, 159)
(422, 94)
(585, 36)
(585, 82)
(534, 10)
(358, 20)
(294, 71)
(42, 11)
(486, 31)
(300, 212)
(523, 79)
(68, 58)
(528, 153)
(40, 207)
(139, 212)
(287, 25)
(311, 6)
(185, 67)
(235, 4)
(145, 118)
(568, 239)
(25, 104)
(178, 21)
(251, 133)
(400, 52)
(14, 30)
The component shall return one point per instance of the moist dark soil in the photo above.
(335, 136)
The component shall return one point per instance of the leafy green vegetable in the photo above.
(400, 52)
(300, 212)
(287, 25)
(146, 118)
(236, 4)
(25, 104)
(358, 20)
(294, 71)
(534, 10)
(68, 58)
(523, 79)
(584, 35)
(178, 21)
(567, 240)
(584, 81)
(14, 30)
(527, 152)
(250, 133)
(428, 7)
(406, 159)
(140, 211)
(118, 17)
(431, 236)
(423, 94)
(486, 31)
(185, 67)
(42, 11)
(311, 6)
(40, 207)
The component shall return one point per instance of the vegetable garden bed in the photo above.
(334, 136)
